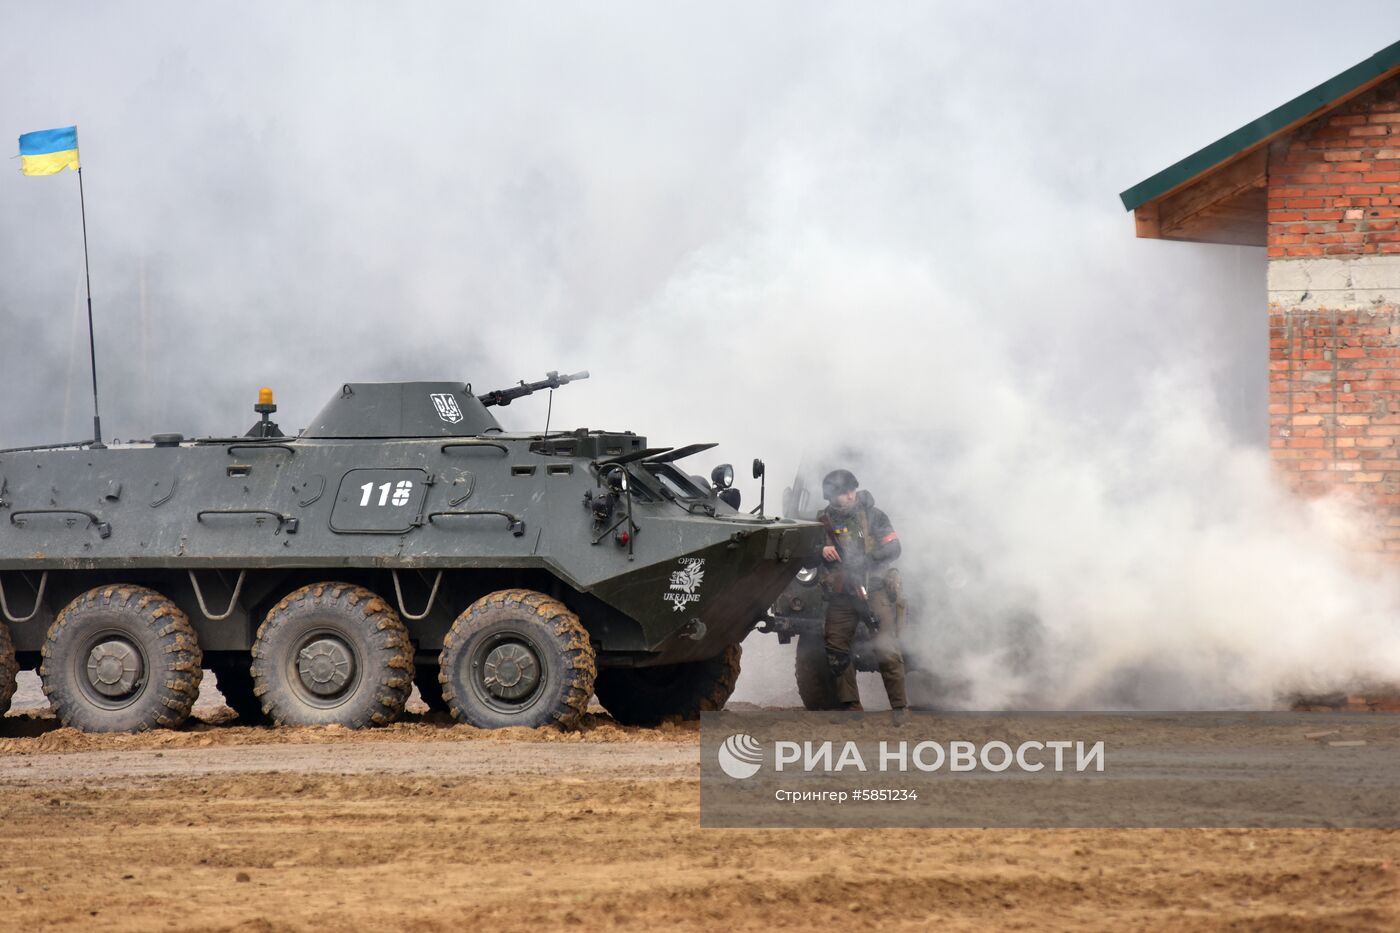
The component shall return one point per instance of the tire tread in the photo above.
(9, 668)
(381, 624)
(570, 636)
(176, 692)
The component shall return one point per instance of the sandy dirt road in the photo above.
(430, 826)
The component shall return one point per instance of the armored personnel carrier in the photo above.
(404, 535)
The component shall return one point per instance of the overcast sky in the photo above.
(305, 194)
(772, 225)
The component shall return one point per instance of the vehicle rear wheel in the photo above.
(425, 678)
(9, 668)
(649, 696)
(234, 678)
(121, 658)
(815, 685)
(517, 658)
(332, 654)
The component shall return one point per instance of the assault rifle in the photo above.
(855, 589)
(552, 380)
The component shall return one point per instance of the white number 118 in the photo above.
(400, 493)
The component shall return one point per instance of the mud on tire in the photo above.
(517, 658)
(332, 654)
(9, 668)
(649, 696)
(121, 658)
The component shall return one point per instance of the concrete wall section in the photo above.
(1346, 282)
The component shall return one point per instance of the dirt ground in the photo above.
(432, 826)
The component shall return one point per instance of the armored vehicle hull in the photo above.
(404, 535)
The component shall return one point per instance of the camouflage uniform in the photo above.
(868, 545)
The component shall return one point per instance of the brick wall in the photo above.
(1334, 186)
(1334, 306)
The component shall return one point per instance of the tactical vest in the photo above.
(857, 524)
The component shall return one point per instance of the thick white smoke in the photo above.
(1136, 554)
(792, 228)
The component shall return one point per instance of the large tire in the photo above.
(121, 658)
(649, 696)
(332, 654)
(9, 668)
(425, 678)
(815, 685)
(517, 658)
(235, 682)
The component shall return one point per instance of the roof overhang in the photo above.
(1218, 195)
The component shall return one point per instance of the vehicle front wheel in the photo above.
(121, 658)
(332, 654)
(649, 696)
(517, 658)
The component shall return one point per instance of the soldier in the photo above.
(861, 586)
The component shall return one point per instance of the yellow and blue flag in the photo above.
(47, 152)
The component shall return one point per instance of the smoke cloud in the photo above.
(803, 230)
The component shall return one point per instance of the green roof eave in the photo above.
(1271, 123)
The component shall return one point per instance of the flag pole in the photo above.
(92, 342)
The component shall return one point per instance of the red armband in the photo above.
(888, 538)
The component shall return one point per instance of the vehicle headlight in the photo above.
(807, 576)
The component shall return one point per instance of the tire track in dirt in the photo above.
(651, 761)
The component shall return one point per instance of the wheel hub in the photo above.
(114, 668)
(325, 666)
(511, 671)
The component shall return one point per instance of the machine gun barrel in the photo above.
(552, 380)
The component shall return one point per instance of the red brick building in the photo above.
(1317, 182)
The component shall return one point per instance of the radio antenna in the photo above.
(92, 342)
